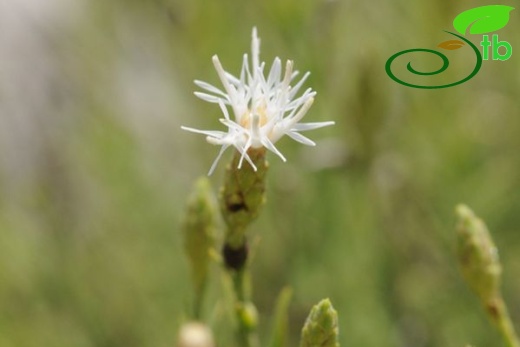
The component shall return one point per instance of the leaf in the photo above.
(483, 19)
(281, 319)
(451, 44)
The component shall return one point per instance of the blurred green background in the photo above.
(95, 171)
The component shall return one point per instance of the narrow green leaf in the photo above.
(483, 19)
(280, 322)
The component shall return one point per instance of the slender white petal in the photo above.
(231, 124)
(233, 80)
(298, 85)
(302, 99)
(303, 110)
(300, 138)
(212, 133)
(243, 151)
(255, 137)
(224, 109)
(217, 159)
(288, 74)
(244, 71)
(209, 98)
(311, 126)
(255, 51)
(270, 146)
(210, 88)
(274, 74)
(223, 78)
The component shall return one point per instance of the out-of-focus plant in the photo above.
(481, 268)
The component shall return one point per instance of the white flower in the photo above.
(264, 109)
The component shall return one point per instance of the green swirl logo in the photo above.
(479, 20)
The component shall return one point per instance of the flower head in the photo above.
(264, 108)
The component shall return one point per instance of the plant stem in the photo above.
(241, 199)
(497, 311)
(235, 261)
(245, 310)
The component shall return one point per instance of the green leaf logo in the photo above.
(481, 20)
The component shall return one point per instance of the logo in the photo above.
(476, 21)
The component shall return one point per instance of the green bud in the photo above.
(199, 234)
(478, 255)
(242, 195)
(248, 314)
(321, 326)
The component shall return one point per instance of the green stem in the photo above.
(497, 311)
(199, 301)
(239, 284)
(241, 199)
(245, 311)
(235, 261)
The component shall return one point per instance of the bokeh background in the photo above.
(95, 171)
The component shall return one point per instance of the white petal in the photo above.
(231, 124)
(255, 51)
(210, 88)
(244, 71)
(300, 138)
(310, 126)
(274, 74)
(270, 146)
(298, 85)
(212, 133)
(209, 98)
(233, 79)
(255, 130)
(215, 162)
(244, 154)
(294, 74)
(224, 109)
(302, 99)
(289, 122)
(223, 78)
(288, 74)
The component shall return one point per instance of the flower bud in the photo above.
(199, 234)
(478, 255)
(321, 326)
(242, 195)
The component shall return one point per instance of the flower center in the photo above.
(248, 117)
